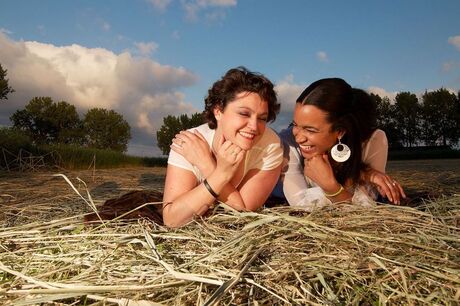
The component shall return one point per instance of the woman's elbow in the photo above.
(171, 221)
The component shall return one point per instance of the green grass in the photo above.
(73, 157)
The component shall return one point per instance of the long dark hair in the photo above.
(348, 109)
(235, 81)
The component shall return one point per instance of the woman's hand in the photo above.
(320, 171)
(195, 149)
(386, 186)
(228, 157)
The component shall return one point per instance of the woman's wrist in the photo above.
(333, 191)
(208, 168)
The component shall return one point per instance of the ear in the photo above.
(217, 113)
(341, 133)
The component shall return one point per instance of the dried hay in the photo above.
(280, 256)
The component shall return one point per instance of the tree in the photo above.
(47, 122)
(407, 117)
(440, 117)
(5, 89)
(106, 129)
(386, 121)
(173, 125)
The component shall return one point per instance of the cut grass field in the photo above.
(340, 256)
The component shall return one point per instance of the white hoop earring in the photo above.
(340, 152)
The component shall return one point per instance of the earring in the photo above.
(340, 152)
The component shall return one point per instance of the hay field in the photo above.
(280, 256)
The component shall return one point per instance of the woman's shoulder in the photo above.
(269, 137)
(204, 128)
(378, 136)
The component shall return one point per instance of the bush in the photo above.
(13, 140)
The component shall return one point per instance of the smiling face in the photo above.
(243, 120)
(312, 131)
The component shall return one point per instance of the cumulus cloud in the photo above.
(160, 5)
(382, 92)
(322, 56)
(146, 48)
(455, 41)
(214, 9)
(142, 90)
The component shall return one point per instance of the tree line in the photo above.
(434, 120)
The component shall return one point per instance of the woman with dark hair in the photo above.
(333, 150)
(233, 158)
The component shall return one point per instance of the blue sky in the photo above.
(149, 58)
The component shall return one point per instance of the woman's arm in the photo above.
(253, 191)
(298, 189)
(375, 154)
(319, 170)
(184, 198)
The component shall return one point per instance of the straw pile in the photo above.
(279, 256)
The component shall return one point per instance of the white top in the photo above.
(266, 154)
(299, 190)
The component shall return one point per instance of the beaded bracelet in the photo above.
(335, 193)
(211, 191)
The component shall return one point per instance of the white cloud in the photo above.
(145, 49)
(160, 5)
(322, 56)
(288, 92)
(455, 41)
(214, 9)
(5, 31)
(142, 90)
(382, 92)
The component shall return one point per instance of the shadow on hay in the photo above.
(106, 189)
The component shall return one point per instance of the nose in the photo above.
(252, 123)
(298, 136)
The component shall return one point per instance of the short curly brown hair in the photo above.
(235, 81)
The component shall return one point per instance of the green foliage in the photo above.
(13, 140)
(173, 125)
(440, 118)
(5, 89)
(106, 130)
(47, 122)
(386, 121)
(407, 118)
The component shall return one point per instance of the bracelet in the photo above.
(211, 191)
(335, 193)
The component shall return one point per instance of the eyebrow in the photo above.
(304, 126)
(251, 110)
